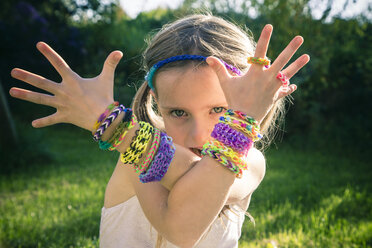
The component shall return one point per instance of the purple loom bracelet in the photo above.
(160, 164)
(231, 137)
(108, 121)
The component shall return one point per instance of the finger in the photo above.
(285, 91)
(219, 68)
(34, 97)
(263, 41)
(293, 68)
(47, 121)
(35, 80)
(54, 58)
(286, 54)
(110, 64)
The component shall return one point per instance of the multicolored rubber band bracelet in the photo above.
(241, 126)
(151, 153)
(149, 76)
(130, 124)
(228, 152)
(160, 164)
(232, 138)
(105, 145)
(224, 161)
(259, 61)
(103, 116)
(107, 122)
(242, 116)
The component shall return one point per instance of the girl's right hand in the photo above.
(256, 92)
(78, 101)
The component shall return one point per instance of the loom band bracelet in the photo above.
(129, 125)
(133, 121)
(160, 164)
(254, 138)
(137, 147)
(103, 116)
(259, 61)
(107, 122)
(228, 153)
(240, 122)
(283, 78)
(229, 119)
(251, 133)
(231, 137)
(151, 153)
(242, 116)
(224, 161)
(108, 144)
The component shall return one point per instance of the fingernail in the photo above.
(13, 72)
(210, 62)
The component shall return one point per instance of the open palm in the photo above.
(78, 100)
(257, 91)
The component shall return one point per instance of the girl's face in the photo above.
(190, 101)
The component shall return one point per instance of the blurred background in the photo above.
(317, 189)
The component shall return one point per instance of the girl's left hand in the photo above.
(256, 92)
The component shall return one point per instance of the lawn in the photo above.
(309, 197)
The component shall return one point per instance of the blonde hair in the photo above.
(206, 35)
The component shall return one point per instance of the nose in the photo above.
(199, 133)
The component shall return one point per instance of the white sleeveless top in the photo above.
(125, 225)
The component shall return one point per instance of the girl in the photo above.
(197, 68)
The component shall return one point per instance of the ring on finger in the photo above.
(283, 78)
(259, 61)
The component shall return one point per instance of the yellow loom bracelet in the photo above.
(259, 61)
(138, 145)
(119, 129)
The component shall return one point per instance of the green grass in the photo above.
(312, 198)
(308, 198)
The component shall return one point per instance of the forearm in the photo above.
(183, 214)
(197, 198)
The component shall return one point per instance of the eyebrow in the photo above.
(209, 106)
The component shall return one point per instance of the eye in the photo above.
(219, 110)
(177, 113)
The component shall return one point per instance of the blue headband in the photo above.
(159, 64)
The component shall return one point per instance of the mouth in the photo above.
(197, 152)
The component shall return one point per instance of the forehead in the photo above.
(189, 87)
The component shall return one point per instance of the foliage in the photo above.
(331, 102)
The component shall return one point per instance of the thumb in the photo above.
(219, 68)
(110, 64)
